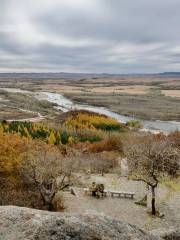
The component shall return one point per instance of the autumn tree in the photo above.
(12, 147)
(51, 138)
(151, 160)
(48, 170)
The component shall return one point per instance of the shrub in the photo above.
(58, 202)
(112, 143)
(87, 135)
(134, 124)
(175, 138)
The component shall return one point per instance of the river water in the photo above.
(148, 125)
(66, 105)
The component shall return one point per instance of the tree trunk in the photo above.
(153, 201)
(50, 206)
(47, 198)
(42, 197)
(47, 203)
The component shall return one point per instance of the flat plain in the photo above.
(145, 97)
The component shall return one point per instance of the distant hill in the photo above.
(81, 75)
(174, 74)
(51, 75)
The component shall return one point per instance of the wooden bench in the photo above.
(122, 194)
(114, 193)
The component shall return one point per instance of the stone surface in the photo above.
(167, 234)
(30, 224)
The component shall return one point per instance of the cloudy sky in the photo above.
(112, 36)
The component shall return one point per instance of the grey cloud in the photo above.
(9, 44)
(108, 36)
(139, 21)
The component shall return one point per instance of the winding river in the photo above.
(148, 125)
(65, 105)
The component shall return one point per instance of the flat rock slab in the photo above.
(30, 224)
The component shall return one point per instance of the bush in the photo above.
(58, 202)
(134, 124)
(110, 144)
(175, 138)
(87, 135)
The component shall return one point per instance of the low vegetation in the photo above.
(84, 127)
(94, 121)
(38, 161)
(134, 124)
(27, 102)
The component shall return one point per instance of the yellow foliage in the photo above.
(51, 138)
(89, 121)
(71, 140)
(1, 129)
(27, 133)
(11, 149)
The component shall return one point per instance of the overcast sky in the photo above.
(112, 36)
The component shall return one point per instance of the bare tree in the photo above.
(48, 171)
(150, 160)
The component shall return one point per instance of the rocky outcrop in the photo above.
(167, 234)
(30, 224)
(172, 235)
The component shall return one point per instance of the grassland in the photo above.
(146, 97)
(171, 93)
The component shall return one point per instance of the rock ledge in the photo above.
(30, 224)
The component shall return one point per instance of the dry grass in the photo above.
(8, 113)
(136, 89)
(61, 88)
(173, 184)
(171, 93)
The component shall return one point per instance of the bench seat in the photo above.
(115, 193)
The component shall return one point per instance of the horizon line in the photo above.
(93, 73)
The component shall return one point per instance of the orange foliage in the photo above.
(11, 148)
(175, 138)
(159, 137)
(111, 144)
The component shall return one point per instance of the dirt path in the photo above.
(126, 209)
(124, 167)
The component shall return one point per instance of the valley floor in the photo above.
(143, 97)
